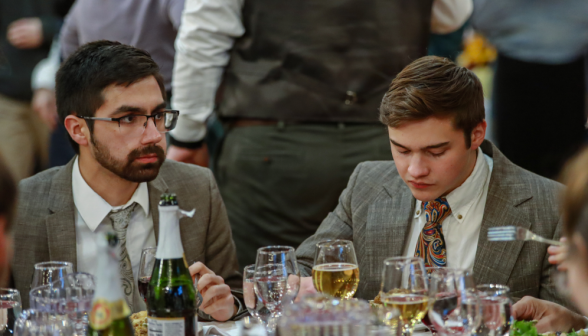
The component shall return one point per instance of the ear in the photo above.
(77, 129)
(478, 135)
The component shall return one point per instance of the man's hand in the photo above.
(198, 156)
(217, 300)
(25, 33)
(44, 104)
(550, 316)
(306, 287)
(557, 254)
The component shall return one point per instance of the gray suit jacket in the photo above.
(45, 227)
(376, 209)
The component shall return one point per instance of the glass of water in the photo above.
(35, 323)
(50, 271)
(496, 307)
(10, 308)
(253, 302)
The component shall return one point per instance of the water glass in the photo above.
(145, 270)
(35, 323)
(253, 302)
(71, 298)
(10, 309)
(405, 289)
(496, 306)
(50, 271)
(335, 271)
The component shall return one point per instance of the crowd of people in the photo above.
(318, 120)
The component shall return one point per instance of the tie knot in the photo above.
(121, 218)
(436, 211)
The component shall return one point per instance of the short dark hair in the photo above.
(7, 195)
(434, 86)
(94, 66)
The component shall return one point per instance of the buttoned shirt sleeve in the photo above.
(449, 15)
(207, 33)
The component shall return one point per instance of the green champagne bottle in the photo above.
(171, 297)
(110, 312)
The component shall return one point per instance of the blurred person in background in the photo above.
(301, 86)
(27, 28)
(550, 316)
(7, 206)
(539, 90)
(150, 25)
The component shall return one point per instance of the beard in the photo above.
(130, 169)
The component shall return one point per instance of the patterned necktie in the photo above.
(120, 223)
(431, 244)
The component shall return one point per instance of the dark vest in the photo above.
(321, 60)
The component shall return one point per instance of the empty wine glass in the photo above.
(145, 270)
(50, 271)
(253, 302)
(496, 308)
(35, 323)
(405, 288)
(335, 271)
(10, 309)
(277, 278)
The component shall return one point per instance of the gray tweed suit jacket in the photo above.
(376, 208)
(45, 227)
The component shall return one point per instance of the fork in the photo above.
(510, 233)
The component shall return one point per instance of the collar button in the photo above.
(459, 216)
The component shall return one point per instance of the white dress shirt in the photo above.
(461, 228)
(92, 221)
(206, 35)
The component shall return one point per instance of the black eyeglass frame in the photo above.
(175, 112)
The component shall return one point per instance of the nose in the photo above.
(151, 134)
(418, 167)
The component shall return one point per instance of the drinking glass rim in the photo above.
(331, 241)
(275, 249)
(53, 265)
(8, 293)
(149, 248)
(388, 261)
(497, 288)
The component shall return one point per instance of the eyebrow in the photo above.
(439, 145)
(135, 109)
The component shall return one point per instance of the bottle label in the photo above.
(104, 312)
(172, 326)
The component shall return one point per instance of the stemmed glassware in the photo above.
(145, 270)
(405, 289)
(253, 302)
(277, 279)
(10, 309)
(335, 270)
(48, 272)
(496, 308)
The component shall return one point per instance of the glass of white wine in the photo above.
(335, 270)
(405, 290)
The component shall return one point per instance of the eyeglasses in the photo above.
(164, 121)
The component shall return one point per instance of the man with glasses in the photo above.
(111, 99)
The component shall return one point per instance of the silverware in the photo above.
(510, 233)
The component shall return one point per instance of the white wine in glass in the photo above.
(335, 270)
(405, 290)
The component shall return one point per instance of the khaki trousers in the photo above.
(24, 138)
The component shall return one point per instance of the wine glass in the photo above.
(496, 308)
(405, 288)
(277, 278)
(454, 308)
(145, 270)
(253, 302)
(50, 271)
(335, 270)
(10, 309)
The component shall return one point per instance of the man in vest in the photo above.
(302, 82)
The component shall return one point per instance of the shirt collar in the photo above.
(93, 208)
(463, 197)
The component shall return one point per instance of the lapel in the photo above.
(495, 261)
(60, 223)
(156, 188)
(388, 223)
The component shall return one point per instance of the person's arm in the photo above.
(449, 15)
(43, 85)
(69, 34)
(549, 316)
(207, 32)
(337, 225)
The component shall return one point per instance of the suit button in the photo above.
(350, 98)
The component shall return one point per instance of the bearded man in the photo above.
(111, 99)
